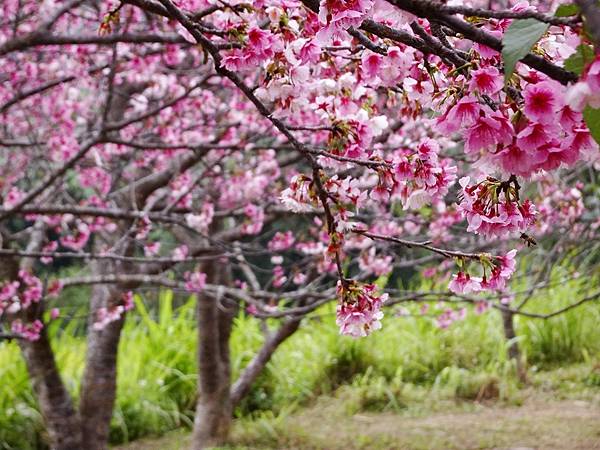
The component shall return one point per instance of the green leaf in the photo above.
(592, 120)
(517, 42)
(578, 60)
(567, 10)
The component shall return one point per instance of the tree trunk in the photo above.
(98, 388)
(513, 346)
(243, 384)
(214, 408)
(54, 401)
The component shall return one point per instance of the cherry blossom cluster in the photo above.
(107, 315)
(586, 92)
(543, 130)
(449, 316)
(194, 281)
(497, 271)
(29, 331)
(423, 177)
(560, 206)
(19, 294)
(359, 310)
(492, 208)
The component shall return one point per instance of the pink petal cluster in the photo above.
(95, 178)
(337, 16)
(487, 80)
(501, 273)
(201, 222)
(9, 300)
(261, 46)
(501, 270)
(144, 226)
(13, 197)
(180, 253)
(279, 277)
(255, 217)
(194, 281)
(372, 264)
(48, 248)
(389, 69)
(78, 238)
(449, 316)
(105, 316)
(281, 241)
(462, 283)
(31, 288)
(359, 308)
(422, 176)
(586, 92)
(491, 211)
(560, 207)
(29, 331)
(299, 196)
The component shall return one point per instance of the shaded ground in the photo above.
(538, 424)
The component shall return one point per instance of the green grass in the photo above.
(409, 365)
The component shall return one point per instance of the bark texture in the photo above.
(214, 407)
(99, 384)
(62, 422)
(243, 384)
(513, 350)
(55, 403)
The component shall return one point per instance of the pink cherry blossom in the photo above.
(486, 80)
(194, 281)
(338, 15)
(358, 311)
(488, 131)
(180, 253)
(465, 113)
(492, 208)
(281, 241)
(30, 331)
(541, 103)
(462, 283)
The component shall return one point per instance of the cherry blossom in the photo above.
(359, 311)
(586, 91)
(462, 283)
(493, 208)
(195, 281)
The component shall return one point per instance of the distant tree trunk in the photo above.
(99, 384)
(54, 401)
(243, 384)
(216, 396)
(214, 408)
(513, 346)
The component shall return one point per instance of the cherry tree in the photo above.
(278, 155)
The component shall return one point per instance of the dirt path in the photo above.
(538, 424)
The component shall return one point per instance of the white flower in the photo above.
(379, 124)
(417, 199)
(577, 95)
